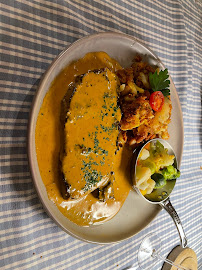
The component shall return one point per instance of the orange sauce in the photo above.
(85, 210)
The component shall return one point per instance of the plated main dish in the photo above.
(92, 118)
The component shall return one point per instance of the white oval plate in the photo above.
(136, 213)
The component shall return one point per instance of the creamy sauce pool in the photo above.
(87, 209)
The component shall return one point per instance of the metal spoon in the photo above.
(161, 196)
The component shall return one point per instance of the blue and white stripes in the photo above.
(33, 33)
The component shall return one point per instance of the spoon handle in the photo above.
(171, 211)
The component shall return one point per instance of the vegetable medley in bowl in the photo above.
(155, 166)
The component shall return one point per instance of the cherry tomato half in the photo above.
(156, 101)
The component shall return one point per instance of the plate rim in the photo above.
(31, 128)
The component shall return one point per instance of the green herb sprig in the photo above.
(160, 82)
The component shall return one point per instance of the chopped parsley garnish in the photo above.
(109, 129)
(106, 95)
(116, 108)
(91, 176)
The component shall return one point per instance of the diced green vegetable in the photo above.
(159, 179)
(170, 173)
(159, 147)
(156, 148)
(149, 164)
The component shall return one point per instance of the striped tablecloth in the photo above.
(33, 33)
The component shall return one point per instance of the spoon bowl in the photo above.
(160, 196)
